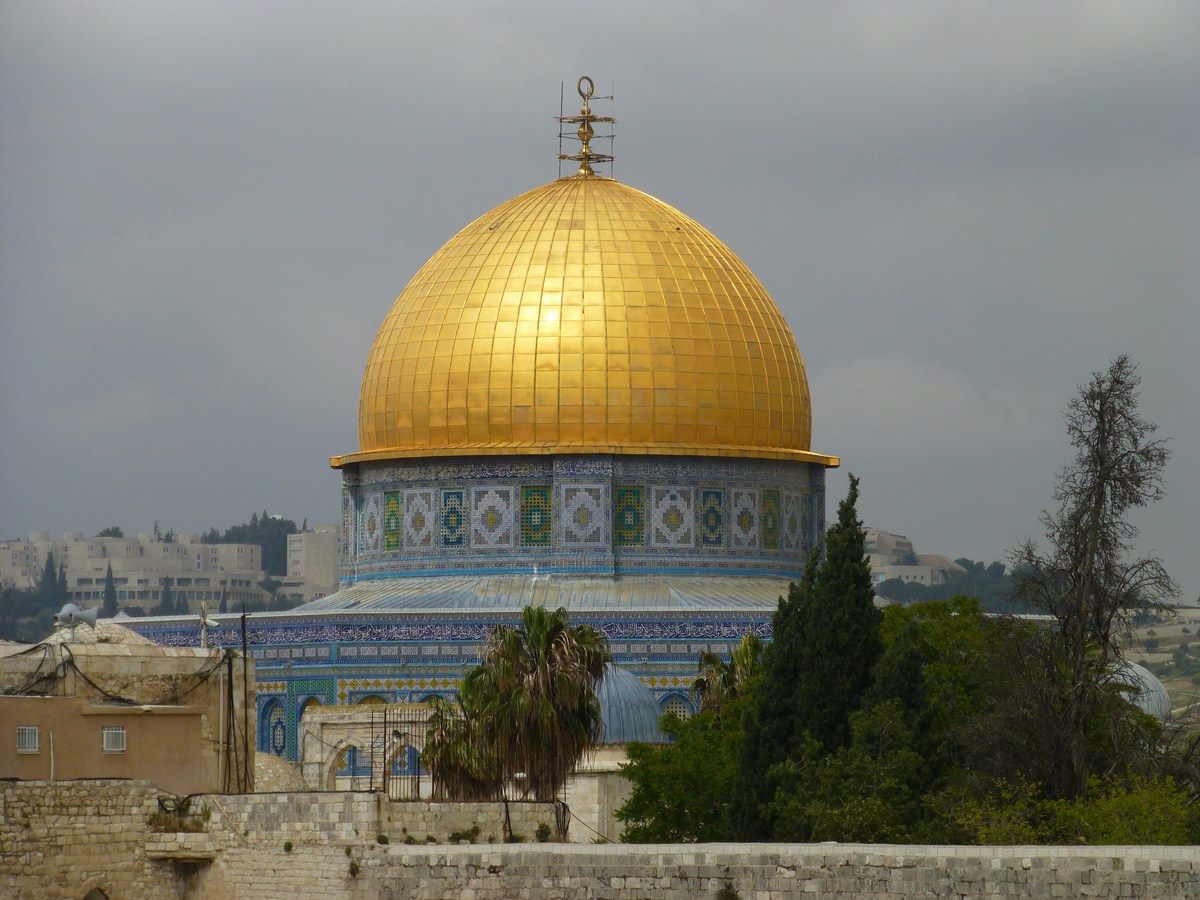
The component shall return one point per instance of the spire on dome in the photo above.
(585, 133)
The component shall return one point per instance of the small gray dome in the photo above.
(1148, 693)
(628, 709)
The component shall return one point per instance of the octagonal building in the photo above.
(583, 399)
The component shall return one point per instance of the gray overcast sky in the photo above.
(963, 210)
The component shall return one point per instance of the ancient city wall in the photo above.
(347, 818)
(64, 839)
(61, 840)
(675, 872)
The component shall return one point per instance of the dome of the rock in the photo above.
(584, 400)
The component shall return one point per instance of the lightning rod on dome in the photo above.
(584, 132)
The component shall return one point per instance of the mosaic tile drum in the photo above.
(586, 400)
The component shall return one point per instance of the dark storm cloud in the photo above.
(963, 210)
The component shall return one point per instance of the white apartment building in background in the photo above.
(892, 556)
(313, 562)
(197, 572)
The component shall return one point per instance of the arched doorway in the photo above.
(348, 767)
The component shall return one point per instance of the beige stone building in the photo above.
(106, 703)
(197, 572)
(892, 556)
(313, 559)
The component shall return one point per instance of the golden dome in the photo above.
(584, 317)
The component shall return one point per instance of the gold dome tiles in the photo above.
(584, 316)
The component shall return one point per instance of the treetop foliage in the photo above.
(525, 716)
(268, 532)
(682, 790)
(719, 683)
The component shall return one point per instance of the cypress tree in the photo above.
(110, 594)
(769, 722)
(48, 585)
(842, 640)
(825, 643)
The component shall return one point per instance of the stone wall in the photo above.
(675, 872)
(61, 840)
(347, 818)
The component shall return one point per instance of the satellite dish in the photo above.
(71, 615)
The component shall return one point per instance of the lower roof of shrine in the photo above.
(511, 593)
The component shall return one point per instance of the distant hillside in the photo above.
(987, 581)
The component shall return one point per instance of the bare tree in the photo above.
(1086, 579)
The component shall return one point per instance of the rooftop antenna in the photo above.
(205, 624)
(584, 132)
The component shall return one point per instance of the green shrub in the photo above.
(1119, 811)
(287, 846)
(543, 833)
(1129, 811)
(468, 834)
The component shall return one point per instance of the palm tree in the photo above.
(719, 683)
(526, 715)
(453, 754)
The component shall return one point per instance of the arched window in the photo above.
(272, 728)
(676, 703)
